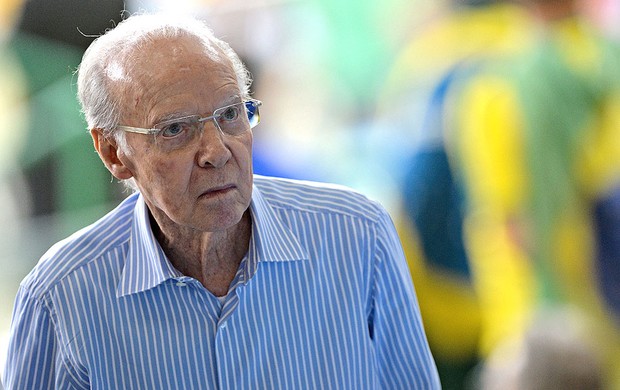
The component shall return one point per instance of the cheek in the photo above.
(240, 167)
(244, 152)
(244, 160)
(168, 174)
(165, 185)
(163, 179)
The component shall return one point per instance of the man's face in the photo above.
(207, 184)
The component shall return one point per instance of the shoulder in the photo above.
(81, 248)
(314, 197)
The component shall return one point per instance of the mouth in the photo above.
(218, 191)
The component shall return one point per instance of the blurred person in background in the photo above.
(461, 41)
(556, 352)
(208, 276)
(538, 146)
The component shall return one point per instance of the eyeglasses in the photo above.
(178, 132)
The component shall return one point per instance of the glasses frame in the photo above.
(216, 114)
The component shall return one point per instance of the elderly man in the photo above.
(207, 277)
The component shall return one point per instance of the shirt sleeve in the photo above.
(32, 346)
(404, 359)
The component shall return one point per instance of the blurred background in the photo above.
(489, 129)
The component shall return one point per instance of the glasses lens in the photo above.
(251, 107)
(177, 133)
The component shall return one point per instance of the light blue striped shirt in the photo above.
(323, 300)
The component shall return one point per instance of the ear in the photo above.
(109, 153)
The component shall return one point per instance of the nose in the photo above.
(212, 151)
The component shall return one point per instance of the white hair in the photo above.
(102, 108)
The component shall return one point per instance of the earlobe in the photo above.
(109, 153)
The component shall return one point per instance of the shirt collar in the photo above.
(272, 240)
(147, 266)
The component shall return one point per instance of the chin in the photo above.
(217, 221)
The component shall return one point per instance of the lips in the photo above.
(216, 191)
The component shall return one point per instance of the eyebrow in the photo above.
(232, 99)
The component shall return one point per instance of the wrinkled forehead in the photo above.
(152, 56)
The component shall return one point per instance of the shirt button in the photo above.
(181, 284)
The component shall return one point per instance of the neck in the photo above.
(212, 258)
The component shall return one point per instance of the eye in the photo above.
(174, 129)
(229, 114)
